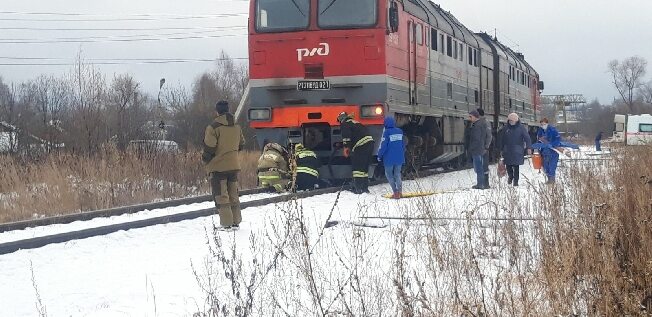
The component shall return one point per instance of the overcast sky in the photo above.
(569, 42)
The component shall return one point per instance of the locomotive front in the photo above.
(309, 60)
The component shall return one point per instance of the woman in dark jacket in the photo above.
(515, 140)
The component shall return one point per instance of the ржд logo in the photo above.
(322, 50)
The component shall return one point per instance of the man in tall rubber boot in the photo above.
(359, 144)
(548, 134)
(222, 141)
(273, 168)
(307, 168)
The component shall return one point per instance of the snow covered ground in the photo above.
(147, 272)
(98, 222)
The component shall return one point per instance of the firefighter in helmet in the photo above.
(273, 169)
(307, 168)
(358, 144)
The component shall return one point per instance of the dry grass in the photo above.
(66, 183)
(582, 247)
(597, 255)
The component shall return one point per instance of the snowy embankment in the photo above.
(147, 272)
(41, 231)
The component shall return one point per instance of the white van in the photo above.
(638, 129)
(152, 146)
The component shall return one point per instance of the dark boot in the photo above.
(357, 186)
(510, 180)
(551, 180)
(365, 185)
(515, 183)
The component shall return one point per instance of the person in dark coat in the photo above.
(514, 141)
(360, 145)
(598, 138)
(479, 140)
(392, 154)
(485, 158)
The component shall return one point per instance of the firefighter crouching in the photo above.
(273, 169)
(307, 168)
(360, 146)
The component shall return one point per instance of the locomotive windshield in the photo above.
(347, 13)
(282, 15)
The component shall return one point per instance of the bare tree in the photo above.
(645, 92)
(50, 96)
(627, 76)
(127, 110)
(226, 82)
(4, 100)
(88, 99)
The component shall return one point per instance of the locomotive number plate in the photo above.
(313, 85)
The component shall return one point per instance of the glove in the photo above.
(346, 152)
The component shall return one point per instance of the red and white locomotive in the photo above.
(309, 60)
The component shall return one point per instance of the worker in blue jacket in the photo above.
(392, 154)
(549, 135)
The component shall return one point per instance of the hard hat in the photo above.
(275, 146)
(342, 116)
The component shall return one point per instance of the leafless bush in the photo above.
(580, 247)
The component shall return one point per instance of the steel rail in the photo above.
(37, 242)
(33, 243)
(117, 211)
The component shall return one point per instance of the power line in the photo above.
(116, 29)
(103, 14)
(141, 18)
(119, 36)
(134, 62)
(127, 59)
(121, 39)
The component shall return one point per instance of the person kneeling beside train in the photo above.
(273, 169)
(307, 170)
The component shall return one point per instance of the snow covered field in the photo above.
(148, 272)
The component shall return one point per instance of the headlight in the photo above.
(370, 111)
(259, 114)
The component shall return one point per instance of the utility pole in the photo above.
(161, 124)
(562, 104)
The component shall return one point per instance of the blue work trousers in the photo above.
(478, 167)
(550, 160)
(393, 174)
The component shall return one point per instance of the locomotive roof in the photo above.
(444, 21)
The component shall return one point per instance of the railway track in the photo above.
(37, 242)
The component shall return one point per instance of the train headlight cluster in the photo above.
(371, 111)
(259, 114)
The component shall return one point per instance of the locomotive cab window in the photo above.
(333, 14)
(449, 46)
(282, 15)
(419, 34)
